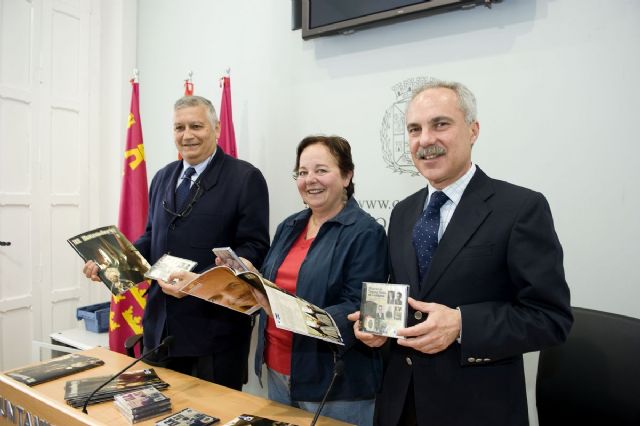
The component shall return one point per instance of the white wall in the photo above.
(556, 83)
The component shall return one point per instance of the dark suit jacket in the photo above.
(232, 210)
(500, 262)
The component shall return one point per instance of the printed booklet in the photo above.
(53, 369)
(249, 419)
(77, 391)
(234, 289)
(383, 309)
(121, 264)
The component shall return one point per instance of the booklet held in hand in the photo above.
(121, 266)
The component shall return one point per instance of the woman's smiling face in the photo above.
(320, 182)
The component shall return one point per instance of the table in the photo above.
(80, 338)
(47, 399)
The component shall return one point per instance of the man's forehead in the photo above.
(436, 102)
(193, 113)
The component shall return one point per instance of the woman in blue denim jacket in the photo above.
(323, 254)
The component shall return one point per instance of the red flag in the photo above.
(227, 139)
(188, 88)
(188, 91)
(126, 310)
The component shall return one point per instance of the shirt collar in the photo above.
(346, 216)
(456, 189)
(200, 167)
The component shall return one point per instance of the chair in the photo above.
(130, 345)
(594, 377)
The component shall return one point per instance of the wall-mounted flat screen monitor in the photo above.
(326, 17)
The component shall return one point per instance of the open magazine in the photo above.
(227, 287)
(121, 264)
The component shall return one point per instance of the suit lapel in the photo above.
(212, 173)
(171, 189)
(468, 216)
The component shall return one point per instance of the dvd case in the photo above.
(230, 258)
(168, 264)
(188, 417)
(383, 308)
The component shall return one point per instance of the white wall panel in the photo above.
(66, 173)
(65, 55)
(62, 315)
(16, 24)
(66, 265)
(16, 334)
(15, 260)
(15, 146)
(44, 136)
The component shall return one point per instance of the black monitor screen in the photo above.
(324, 17)
(325, 12)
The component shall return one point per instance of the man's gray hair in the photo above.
(466, 99)
(194, 101)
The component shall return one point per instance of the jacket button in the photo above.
(471, 359)
(417, 315)
(408, 360)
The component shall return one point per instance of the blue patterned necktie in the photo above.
(425, 232)
(182, 192)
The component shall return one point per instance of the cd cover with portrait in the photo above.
(383, 309)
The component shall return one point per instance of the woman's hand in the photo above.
(249, 265)
(261, 298)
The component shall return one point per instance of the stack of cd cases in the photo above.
(77, 391)
(142, 404)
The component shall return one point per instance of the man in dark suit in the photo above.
(226, 203)
(491, 289)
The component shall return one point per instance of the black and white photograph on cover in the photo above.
(121, 265)
(383, 308)
(188, 417)
(54, 368)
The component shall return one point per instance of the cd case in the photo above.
(383, 309)
(168, 264)
(188, 417)
(230, 258)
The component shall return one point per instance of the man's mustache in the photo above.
(430, 151)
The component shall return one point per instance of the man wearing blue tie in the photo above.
(206, 200)
(486, 278)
